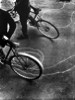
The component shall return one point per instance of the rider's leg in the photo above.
(2, 45)
(11, 29)
(2, 55)
(24, 27)
(9, 35)
(23, 20)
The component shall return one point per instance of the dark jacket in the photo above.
(5, 19)
(22, 6)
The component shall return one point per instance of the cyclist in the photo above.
(23, 9)
(5, 20)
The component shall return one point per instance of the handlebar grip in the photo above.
(36, 11)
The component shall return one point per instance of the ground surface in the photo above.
(58, 58)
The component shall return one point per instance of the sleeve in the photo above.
(17, 4)
(11, 23)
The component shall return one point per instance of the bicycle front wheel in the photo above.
(26, 66)
(48, 29)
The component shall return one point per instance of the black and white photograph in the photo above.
(37, 49)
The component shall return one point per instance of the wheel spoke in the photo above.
(48, 29)
(26, 67)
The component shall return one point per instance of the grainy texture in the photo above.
(58, 80)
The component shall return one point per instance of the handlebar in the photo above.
(13, 13)
(10, 10)
(36, 11)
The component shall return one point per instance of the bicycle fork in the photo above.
(20, 60)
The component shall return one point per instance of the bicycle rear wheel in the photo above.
(48, 29)
(26, 66)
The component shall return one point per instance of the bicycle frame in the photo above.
(34, 20)
(11, 49)
(36, 15)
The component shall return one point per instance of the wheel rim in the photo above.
(48, 29)
(26, 68)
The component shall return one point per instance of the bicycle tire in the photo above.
(23, 68)
(48, 29)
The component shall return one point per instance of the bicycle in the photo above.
(23, 64)
(45, 27)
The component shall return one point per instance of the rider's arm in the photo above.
(12, 25)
